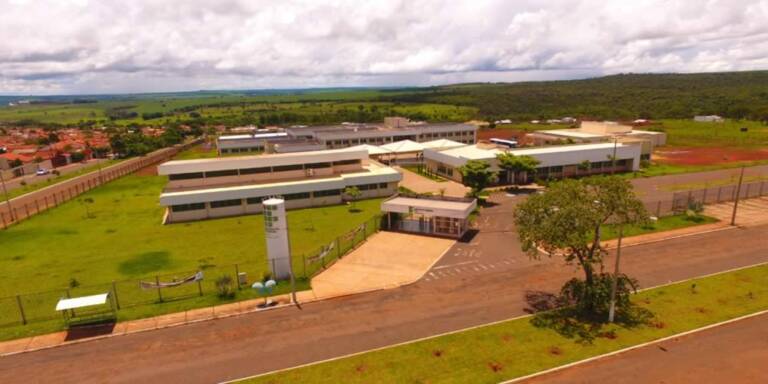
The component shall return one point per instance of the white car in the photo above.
(42, 172)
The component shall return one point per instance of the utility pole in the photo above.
(613, 158)
(614, 287)
(7, 198)
(738, 193)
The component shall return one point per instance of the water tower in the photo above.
(276, 228)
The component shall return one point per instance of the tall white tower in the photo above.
(276, 228)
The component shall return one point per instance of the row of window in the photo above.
(242, 150)
(258, 200)
(251, 171)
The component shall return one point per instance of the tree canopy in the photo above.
(566, 220)
(477, 174)
(514, 164)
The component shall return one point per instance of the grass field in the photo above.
(667, 223)
(124, 239)
(515, 348)
(688, 133)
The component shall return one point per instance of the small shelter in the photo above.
(87, 309)
(403, 150)
(429, 215)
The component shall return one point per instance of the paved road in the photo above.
(459, 296)
(733, 353)
(34, 179)
(653, 188)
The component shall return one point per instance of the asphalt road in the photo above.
(462, 295)
(732, 353)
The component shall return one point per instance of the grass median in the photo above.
(490, 354)
(35, 185)
(663, 224)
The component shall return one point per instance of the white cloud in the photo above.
(135, 46)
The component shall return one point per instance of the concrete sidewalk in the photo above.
(385, 260)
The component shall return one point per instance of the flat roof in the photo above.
(372, 149)
(572, 133)
(442, 144)
(373, 173)
(431, 207)
(80, 302)
(257, 161)
(253, 136)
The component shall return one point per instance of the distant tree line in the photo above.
(741, 95)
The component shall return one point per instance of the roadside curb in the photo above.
(727, 227)
(628, 349)
(523, 317)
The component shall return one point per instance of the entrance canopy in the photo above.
(437, 216)
(443, 207)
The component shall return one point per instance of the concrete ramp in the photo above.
(385, 260)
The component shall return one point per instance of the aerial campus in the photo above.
(356, 200)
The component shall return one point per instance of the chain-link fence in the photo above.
(30, 204)
(180, 291)
(721, 194)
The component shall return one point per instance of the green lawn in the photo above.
(124, 240)
(688, 133)
(515, 348)
(666, 223)
(34, 186)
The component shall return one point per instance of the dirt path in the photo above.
(491, 288)
(732, 353)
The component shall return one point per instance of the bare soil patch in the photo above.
(708, 155)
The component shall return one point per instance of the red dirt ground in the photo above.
(708, 155)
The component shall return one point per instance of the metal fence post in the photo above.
(658, 208)
(237, 277)
(159, 292)
(21, 310)
(114, 294)
(200, 287)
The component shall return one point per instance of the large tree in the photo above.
(516, 164)
(477, 174)
(566, 220)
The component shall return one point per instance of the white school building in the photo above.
(231, 186)
(555, 161)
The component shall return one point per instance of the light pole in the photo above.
(613, 158)
(738, 193)
(7, 198)
(614, 286)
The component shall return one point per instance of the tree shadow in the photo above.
(567, 322)
(540, 301)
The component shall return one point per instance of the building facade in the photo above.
(555, 161)
(208, 188)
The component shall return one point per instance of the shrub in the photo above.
(225, 286)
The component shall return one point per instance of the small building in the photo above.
(601, 131)
(231, 186)
(247, 143)
(708, 119)
(555, 162)
(429, 215)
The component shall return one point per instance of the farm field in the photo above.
(119, 237)
(516, 347)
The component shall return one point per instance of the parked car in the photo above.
(42, 172)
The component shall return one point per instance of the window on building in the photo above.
(621, 162)
(556, 169)
(186, 176)
(187, 207)
(296, 196)
(329, 192)
(225, 203)
(347, 162)
(251, 171)
(226, 172)
(254, 200)
(317, 165)
(286, 168)
(382, 185)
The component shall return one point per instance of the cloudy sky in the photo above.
(64, 47)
